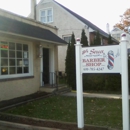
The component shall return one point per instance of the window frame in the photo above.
(66, 36)
(46, 12)
(30, 58)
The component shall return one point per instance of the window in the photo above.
(46, 16)
(118, 36)
(14, 59)
(67, 38)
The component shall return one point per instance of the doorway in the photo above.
(45, 65)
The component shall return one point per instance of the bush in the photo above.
(102, 82)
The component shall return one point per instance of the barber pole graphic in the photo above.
(110, 60)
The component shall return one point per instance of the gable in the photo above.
(62, 19)
(44, 1)
(116, 29)
(84, 21)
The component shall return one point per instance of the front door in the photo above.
(46, 65)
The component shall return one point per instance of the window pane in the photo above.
(4, 62)
(19, 62)
(25, 47)
(25, 62)
(67, 39)
(43, 13)
(19, 54)
(4, 45)
(26, 70)
(49, 12)
(12, 54)
(18, 46)
(43, 19)
(19, 70)
(4, 53)
(11, 62)
(25, 54)
(12, 70)
(49, 19)
(12, 46)
(4, 70)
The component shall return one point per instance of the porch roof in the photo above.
(8, 25)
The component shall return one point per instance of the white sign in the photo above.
(101, 59)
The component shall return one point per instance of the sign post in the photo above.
(124, 78)
(80, 111)
(103, 59)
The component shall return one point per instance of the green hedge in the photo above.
(102, 82)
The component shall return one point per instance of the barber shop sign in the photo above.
(103, 59)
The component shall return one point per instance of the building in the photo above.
(53, 13)
(28, 55)
(116, 33)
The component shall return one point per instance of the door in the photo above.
(46, 65)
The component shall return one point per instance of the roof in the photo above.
(85, 21)
(9, 25)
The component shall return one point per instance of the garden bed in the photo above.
(46, 123)
(22, 100)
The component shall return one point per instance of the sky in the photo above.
(98, 12)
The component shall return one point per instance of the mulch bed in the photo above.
(39, 122)
(22, 99)
(45, 123)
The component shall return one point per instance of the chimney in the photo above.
(33, 9)
(107, 28)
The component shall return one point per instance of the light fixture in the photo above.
(40, 51)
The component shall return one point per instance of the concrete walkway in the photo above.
(96, 95)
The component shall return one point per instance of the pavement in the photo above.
(96, 95)
(15, 126)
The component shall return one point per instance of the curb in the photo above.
(23, 126)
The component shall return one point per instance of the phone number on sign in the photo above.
(93, 69)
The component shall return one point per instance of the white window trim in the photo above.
(30, 60)
(43, 2)
(46, 9)
(68, 35)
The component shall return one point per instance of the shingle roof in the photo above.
(85, 21)
(18, 27)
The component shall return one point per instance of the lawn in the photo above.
(100, 112)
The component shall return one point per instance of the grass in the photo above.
(62, 80)
(100, 112)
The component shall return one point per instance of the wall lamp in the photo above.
(40, 54)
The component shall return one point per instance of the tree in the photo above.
(70, 64)
(97, 39)
(67, 64)
(110, 39)
(84, 39)
(125, 21)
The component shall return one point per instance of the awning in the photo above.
(12, 26)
